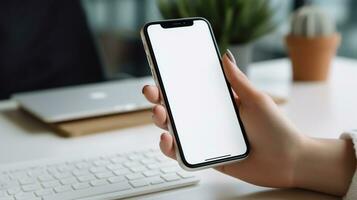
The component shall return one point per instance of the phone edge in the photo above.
(180, 158)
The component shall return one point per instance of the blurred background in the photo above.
(62, 43)
(115, 25)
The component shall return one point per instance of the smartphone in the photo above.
(202, 117)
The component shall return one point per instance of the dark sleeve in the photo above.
(45, 44)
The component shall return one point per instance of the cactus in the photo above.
(311, 22)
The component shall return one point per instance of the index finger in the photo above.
(239, 82)
(152, 93)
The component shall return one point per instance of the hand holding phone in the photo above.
(275, 141)
(281, 156)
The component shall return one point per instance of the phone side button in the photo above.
(155, 77)
(153, 73)
(149, 59)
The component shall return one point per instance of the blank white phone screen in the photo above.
(203, 112)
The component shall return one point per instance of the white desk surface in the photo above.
(318, 109)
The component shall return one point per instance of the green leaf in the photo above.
(233, 21)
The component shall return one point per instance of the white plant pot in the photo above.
(243, 55)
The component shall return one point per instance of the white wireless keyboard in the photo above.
(102, 177)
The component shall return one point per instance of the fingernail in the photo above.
(142, 90)
(230, 56)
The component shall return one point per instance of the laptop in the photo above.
(91, 100)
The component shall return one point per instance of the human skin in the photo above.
(281, 156)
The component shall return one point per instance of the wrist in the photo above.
(299, 168)
(324, 165)
(302, 148)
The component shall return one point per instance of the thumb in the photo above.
(239, 82)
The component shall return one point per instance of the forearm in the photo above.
(325, 165)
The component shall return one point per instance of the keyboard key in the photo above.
(134, 176)
(118, 160)
(122, 172)
(86, 178)
(151, 154)
(161, 159)
(25, 196)
(153, 166)
(50, 184)
(101, 163)
(19, 175)
(79, 186)
(30, 188)
(104, 175)
(14, 190)
(148, 161)
(139, 183)
(117, 179)
(68, 181)
(6, 198)
(80, 172)
(97, 169)
(35, 172)
(185, 174)
(136, 157)
(137, 169)
(62, 175)
(24, 181)
(52, 170)
(45, 177)
(43, 192)
(132, 164)
(90, 191)
(98, 182)
(151, 173)
(63, 188)
(167, 170)
(82, 165)
(167, 164)
(170, 177)
(115, 166)
(9, 184)
(65, 168)
(156, 180)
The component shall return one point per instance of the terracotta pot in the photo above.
(311, 57)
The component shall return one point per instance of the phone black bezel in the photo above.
(179, 23)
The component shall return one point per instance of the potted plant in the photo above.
(236, 23)
(312, 43)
